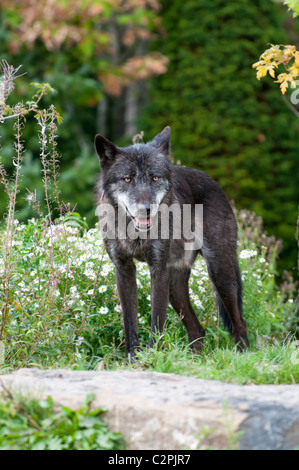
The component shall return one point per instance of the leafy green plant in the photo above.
(33, 424)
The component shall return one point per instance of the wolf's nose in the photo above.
(144, 209)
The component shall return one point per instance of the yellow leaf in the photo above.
(262, 72)
(284, 86)
(271, 70)
(282, 77)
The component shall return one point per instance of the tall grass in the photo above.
(58, 300)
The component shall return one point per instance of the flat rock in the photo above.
(156, 411)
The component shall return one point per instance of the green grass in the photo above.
(273, 364)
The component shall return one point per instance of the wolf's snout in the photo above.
(144, 210)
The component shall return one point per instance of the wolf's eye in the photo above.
(155, 178)
(128, 180)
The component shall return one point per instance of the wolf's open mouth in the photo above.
(141, 223)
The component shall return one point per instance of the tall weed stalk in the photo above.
(47, 120)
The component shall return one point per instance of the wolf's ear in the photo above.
(162, 141)
(106, 150)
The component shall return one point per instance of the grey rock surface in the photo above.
(158, 411)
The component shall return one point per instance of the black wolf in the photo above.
(136, 182)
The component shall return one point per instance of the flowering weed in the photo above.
(63, 307)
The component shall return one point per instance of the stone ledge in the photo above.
(156, 411)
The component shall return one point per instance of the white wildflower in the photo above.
(107, 268)
(102, 289)
(90, 274)
(248, 253)
(104, 310)
(76, 262)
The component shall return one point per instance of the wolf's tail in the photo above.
(224, 316)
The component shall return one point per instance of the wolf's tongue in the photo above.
(143, 221)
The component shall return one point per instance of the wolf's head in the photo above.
(137, 178)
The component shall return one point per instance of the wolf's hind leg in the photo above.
(227, 281)
(179, 299)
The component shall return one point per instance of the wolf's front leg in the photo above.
(127, 290)
(159, 300)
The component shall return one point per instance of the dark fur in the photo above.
(169, 263)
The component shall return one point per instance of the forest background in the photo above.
(122, 67)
